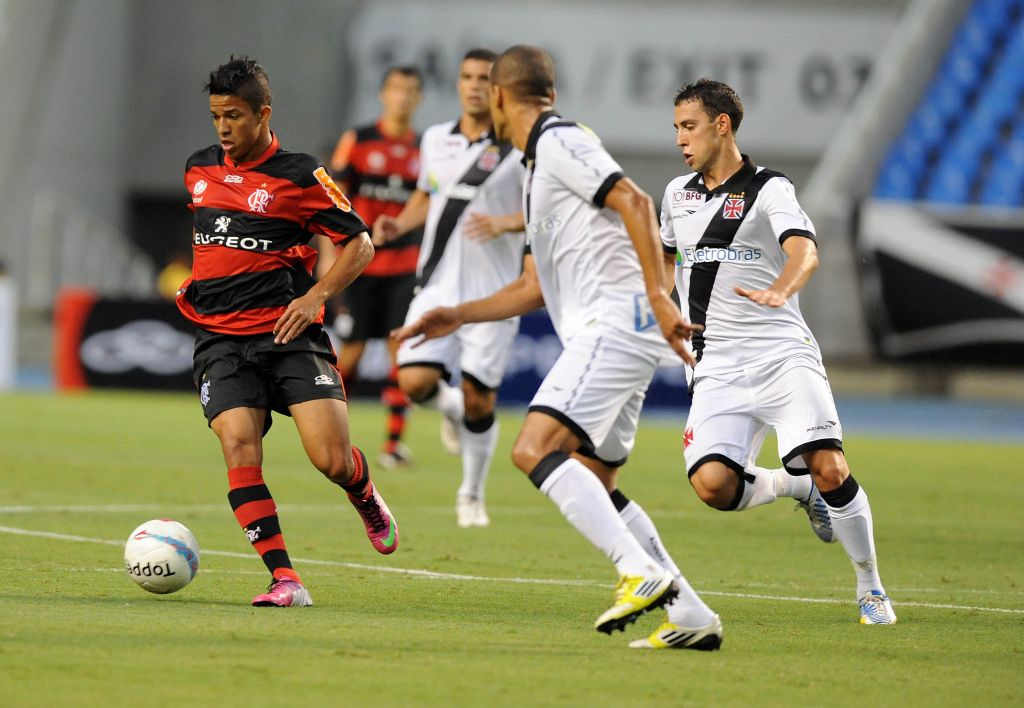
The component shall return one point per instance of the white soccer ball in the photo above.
(162, 556)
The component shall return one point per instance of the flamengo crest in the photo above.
(259, 200)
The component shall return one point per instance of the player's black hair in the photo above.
(528, 72)
(481, 54)
(718, 98)
(241, 77)
(405, 70)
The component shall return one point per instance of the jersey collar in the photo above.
(489, 135)
(271, 149)
(530, 153)
(734, 185)
(408, 137)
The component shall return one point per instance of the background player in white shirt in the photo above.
(742, 248)
(468, 199)
(594, 263)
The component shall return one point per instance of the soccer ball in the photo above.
(162, 556)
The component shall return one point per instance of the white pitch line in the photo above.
(435, 575)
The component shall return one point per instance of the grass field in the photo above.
(497, 616)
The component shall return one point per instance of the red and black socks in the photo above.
(257, 515)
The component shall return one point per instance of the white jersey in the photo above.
(461, 177)
(587, 266)
(728, 237)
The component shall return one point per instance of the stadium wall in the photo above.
(103, 100)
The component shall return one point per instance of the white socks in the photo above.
(687, 610)
(477, 452)
(771, 484)
(584, 502)
(448, 400)
(853, 526)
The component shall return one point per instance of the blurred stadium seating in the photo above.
(964, 143)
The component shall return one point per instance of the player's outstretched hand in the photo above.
(482, 227)
(300, 313)
(769, 298)
(674, 328)
(385, 229)
(439, 322)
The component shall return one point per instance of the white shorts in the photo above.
(481, 349)
(597, 388)
(731, 414)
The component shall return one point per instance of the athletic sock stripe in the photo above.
(360, 482)
(244, 495)
(250, 512)
(271, 543)
(262, 528)
(276, 558)
(244, 476)
(620, 500)
(548, 464)
(842, 495)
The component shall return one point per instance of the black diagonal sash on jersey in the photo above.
(454, 207)
(719, 234)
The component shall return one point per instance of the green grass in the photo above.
(75, 630)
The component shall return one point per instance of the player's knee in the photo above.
(713, 488)
(478, 396)
(830, 473)
(526, 454)
(417, 387)
(336, 465)
(240, 450)
(479, 407)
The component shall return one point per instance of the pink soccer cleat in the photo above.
(381, 527)
(284, 592)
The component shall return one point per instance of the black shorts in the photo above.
(253, 372)
(378, 305)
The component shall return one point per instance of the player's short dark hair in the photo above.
(527, 72)
(718, 98)
(480, 54)
(403, 70)
(241, 77)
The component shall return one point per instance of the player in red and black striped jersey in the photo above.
(261, 344)
(378, 165)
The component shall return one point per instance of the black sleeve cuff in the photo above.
(669, 250)
(606, 186)
(797, 232)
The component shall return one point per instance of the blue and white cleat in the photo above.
(876, 608)
(817, 514)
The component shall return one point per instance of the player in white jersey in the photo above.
(468, 199)
(742, 248)
(594, 263)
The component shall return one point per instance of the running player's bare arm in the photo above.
(801, 262)
(413, 216)
(520, 296)
(484, 227)
(352, 259)
(637, 212)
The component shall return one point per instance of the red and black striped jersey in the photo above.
(380, 175)
(252, 227)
